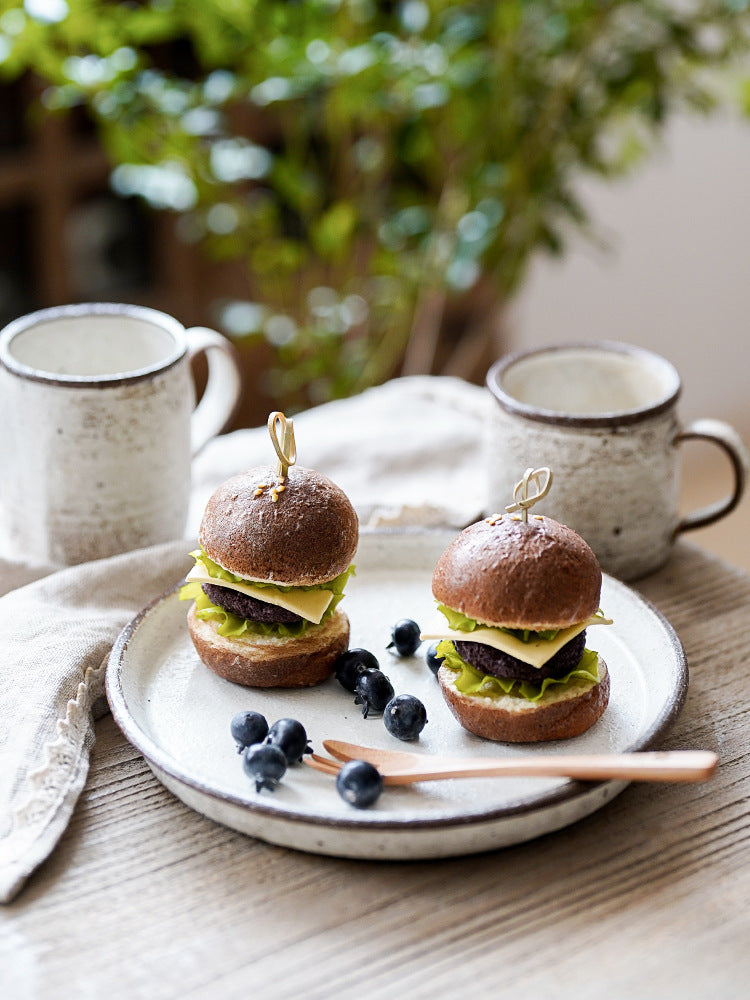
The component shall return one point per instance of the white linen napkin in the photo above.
(55, 637)
(407, 453)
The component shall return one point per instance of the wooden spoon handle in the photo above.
(658, 765)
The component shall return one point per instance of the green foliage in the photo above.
(357, 153)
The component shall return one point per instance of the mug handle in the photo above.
(720, 433)
(223, 386)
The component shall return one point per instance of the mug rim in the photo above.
(92, 309)
(613, 418)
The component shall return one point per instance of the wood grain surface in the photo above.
(647, 898)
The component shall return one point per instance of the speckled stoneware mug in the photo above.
(603, 417)
(99, 425)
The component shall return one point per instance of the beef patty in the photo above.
(491, 661)
(249, 607)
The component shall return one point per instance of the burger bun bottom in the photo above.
(559, 715)
(266, 661)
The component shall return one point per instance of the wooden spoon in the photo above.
(403, 768)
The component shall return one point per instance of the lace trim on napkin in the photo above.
(63, 772)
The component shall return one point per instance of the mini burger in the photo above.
(518, 596)
(274, 558)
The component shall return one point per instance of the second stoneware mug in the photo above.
(603, 416)
(99, 417)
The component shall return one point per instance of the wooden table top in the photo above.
(646, 898)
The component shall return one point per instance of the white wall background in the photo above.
(677, 275)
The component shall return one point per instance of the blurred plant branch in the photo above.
(370, 161)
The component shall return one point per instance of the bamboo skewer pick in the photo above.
(542, 479)
(286, 448)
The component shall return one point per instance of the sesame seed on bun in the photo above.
(307, 535)
(537, 574)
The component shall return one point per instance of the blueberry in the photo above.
(373, 691)
(265, 764)
(405, 637)
(248, 728)
(433, 661)
(351, 664)
(290, 737)
(405, 717)
(359, 783)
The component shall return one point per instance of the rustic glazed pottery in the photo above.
(176, 713)
(603, 417)
(99, 423)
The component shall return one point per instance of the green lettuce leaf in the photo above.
(460, 622)
(470, 681)
(232, 625)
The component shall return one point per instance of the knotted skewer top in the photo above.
(286, 451)
(283, 443)
(542, 479)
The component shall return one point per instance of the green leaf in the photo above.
(232, 625)
(332, 232)
(463, 623)
(472, 682)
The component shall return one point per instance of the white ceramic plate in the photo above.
(177, 714)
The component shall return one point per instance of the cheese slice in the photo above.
(309, 604)
(536, 653)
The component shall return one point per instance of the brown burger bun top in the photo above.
(308, 535)
(537, 574)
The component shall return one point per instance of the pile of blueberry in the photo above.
(268, 751)
(358, 671)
